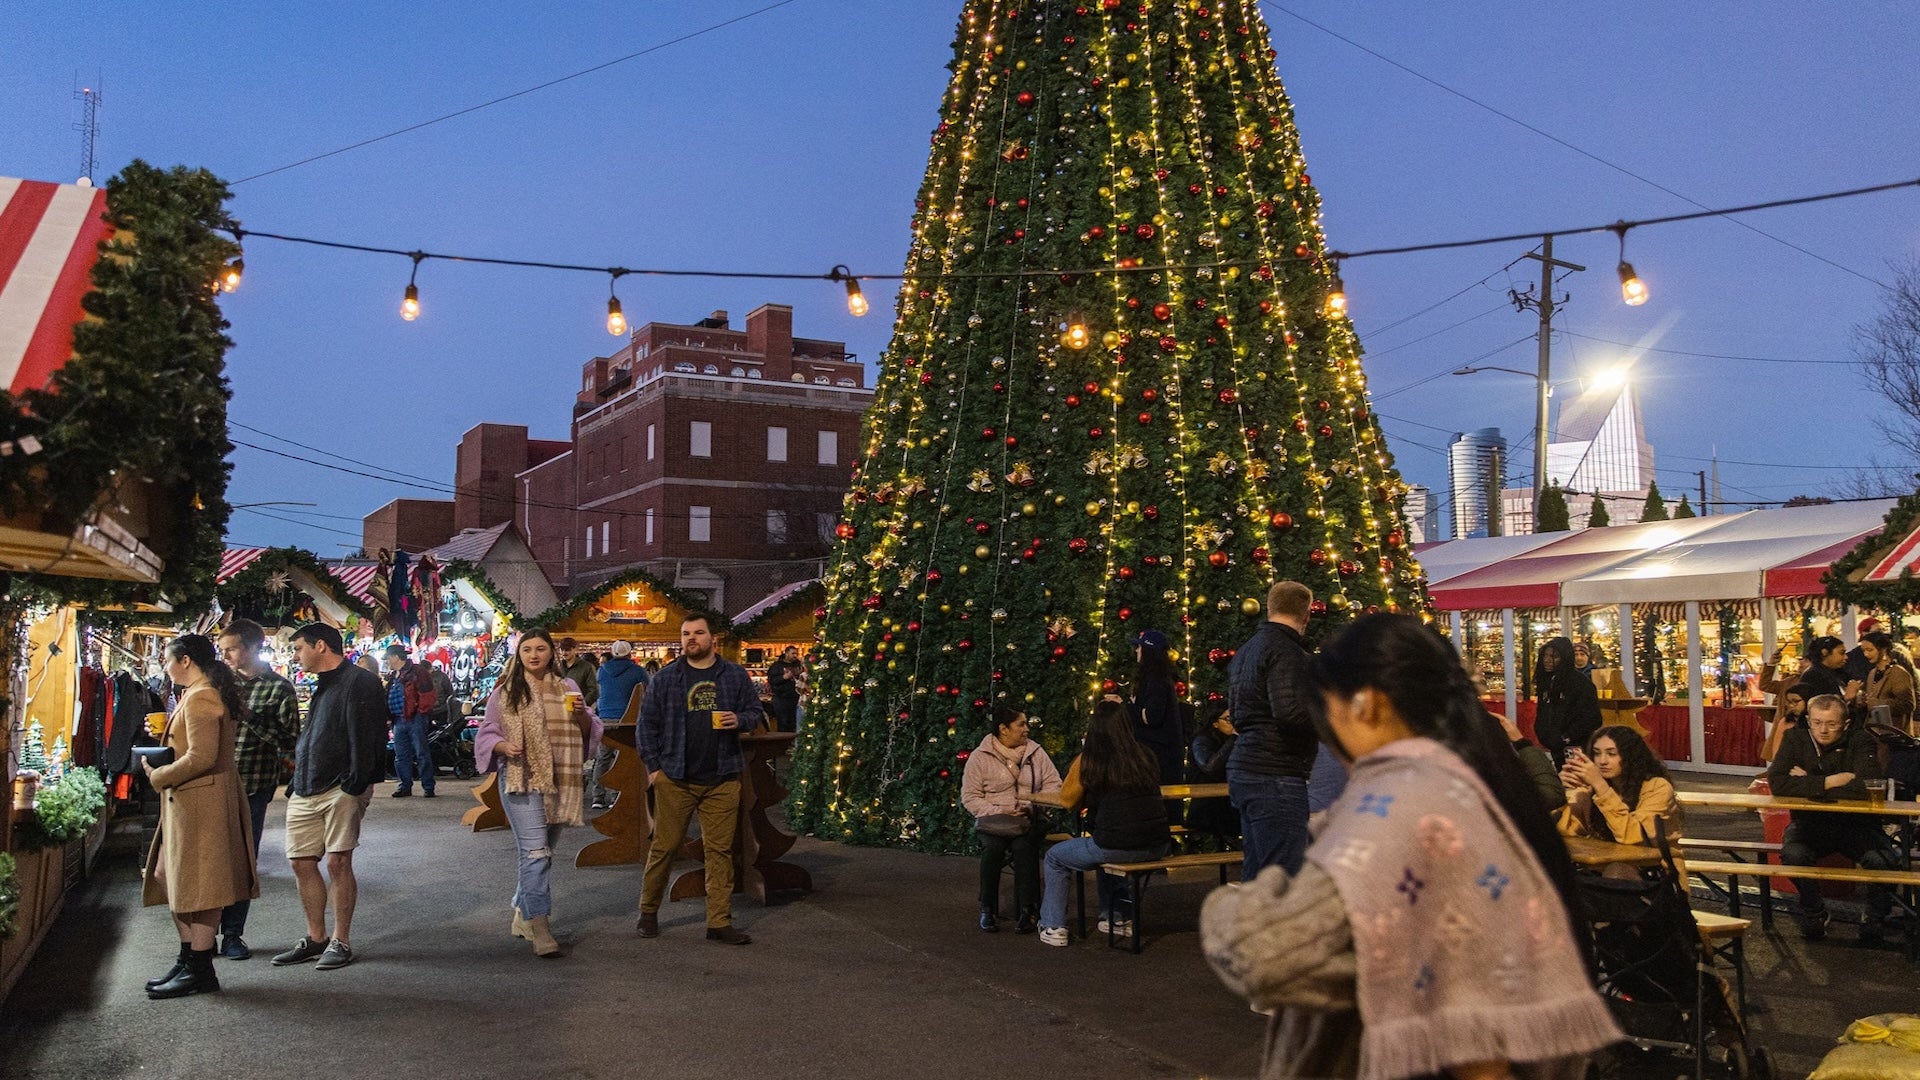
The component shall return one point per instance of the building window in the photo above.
(649, 526)
(823, 525)
(587, 552)
(700, 523)
(702, 439)
(776, 526)
(829, 448)
(776, 444)
(649, 442)
(606, 537)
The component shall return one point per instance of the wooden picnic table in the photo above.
(1591, 852)
(1168, 791)
(1732, 800)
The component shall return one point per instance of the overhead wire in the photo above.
(1557, 139)
(516, 94)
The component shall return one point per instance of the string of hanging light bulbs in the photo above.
(1074, 331)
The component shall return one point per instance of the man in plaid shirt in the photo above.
(263, 750)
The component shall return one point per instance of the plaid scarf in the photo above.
(1464, 950)
(554, 749)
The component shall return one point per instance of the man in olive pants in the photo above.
(689, 732)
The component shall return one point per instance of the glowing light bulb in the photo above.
(1337, 297)
(230, 278)
(1076, 335)
(616, 320)
(410, 307)
(1633, 291)
(856, 302)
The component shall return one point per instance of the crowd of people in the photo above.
(235, 737)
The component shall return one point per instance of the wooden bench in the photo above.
(1137, 874)
(1900, 879)
(1731, 847)
(1725, 936)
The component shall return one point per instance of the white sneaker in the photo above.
(1123, 927)
(1054, 935)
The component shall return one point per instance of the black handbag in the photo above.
(1007, 825)
(156, 755)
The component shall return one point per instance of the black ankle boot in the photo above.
(198, 978)
(179, 965)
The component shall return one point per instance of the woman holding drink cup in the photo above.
(536, 734)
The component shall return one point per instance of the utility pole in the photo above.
(1705, 510)
(1543, 302)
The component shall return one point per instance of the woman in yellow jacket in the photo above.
(1617, 789)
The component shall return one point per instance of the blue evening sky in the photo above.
(796, 139)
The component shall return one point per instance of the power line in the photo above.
(1377, 353)
(515, 94)
(1440, 303)
(1708, 355)
(1451, 369)
(1557, 139)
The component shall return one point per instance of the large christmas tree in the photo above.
(1121, 394)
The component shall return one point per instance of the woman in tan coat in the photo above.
(202, 854)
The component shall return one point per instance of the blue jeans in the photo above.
(1081, 853)
(233, 918)
(533, 838)
(410, 753)
(1273, 821)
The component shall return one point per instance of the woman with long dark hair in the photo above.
(202, 855)
(1118, 782)
(1434, 901)
(537, 735)
(1617, 790)
(1567, 707)
(1155, 707)
(1790, 713)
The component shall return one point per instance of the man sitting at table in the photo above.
(1824, 760)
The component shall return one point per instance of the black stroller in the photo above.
(1657, 976)
(448, 746)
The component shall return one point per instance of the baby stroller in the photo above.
(449, 746)
(1657, 976)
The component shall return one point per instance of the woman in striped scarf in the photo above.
(536, 734)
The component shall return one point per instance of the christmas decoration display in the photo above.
(1121, 394)
(33, 751)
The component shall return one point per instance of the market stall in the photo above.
(635, 607)
(788, 617)
(1685, 612)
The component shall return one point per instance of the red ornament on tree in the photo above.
(1217, 657)
(1219, 560)
(1150, 512)
(1168, 344)
(1149, 394)
(1146, 418)
(1073, 401)
(1317, 557)
(1348, 569)
(1124, 613)
(1095, 433)
(1077, 545)
(1325, 431)
(845, 530)
(1259, 555)
(933, 577)
(1024, 97)
(1319, 607)
(1163, 312)
(1229, 396)
(1125, 573)
(1280, 520)
(1143, 230)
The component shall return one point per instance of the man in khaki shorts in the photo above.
(341, 754)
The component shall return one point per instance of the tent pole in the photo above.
(1696, 692)
(1507, 665)
(1769, 637)
(1627, 679)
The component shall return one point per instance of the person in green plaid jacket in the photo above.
(263, 751)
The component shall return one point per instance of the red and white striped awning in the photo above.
(357, 576)
(50, 237)
(234, 560)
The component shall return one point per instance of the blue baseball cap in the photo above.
(1151, 637)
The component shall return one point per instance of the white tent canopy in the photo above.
(1728, 561)
(1452, 558)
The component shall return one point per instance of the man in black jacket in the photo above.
(1826, 760)
(1267, 685)
(341, 754)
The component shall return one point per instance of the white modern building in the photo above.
(1600, 448)
(1476, 468)
(1422, 514)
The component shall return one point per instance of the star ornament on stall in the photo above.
(278, 581)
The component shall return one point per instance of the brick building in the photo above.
(712, 457)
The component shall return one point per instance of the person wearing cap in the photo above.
(1268, 691)
(618, 680)
(1155, 707)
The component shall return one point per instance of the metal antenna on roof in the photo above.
(89, 129)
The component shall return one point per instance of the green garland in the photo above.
(812, 595)
(144, 398)
(1891, 596)
(568, 608)
(461, 569)
(247, 592)
(9, 895)
(65, 811)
